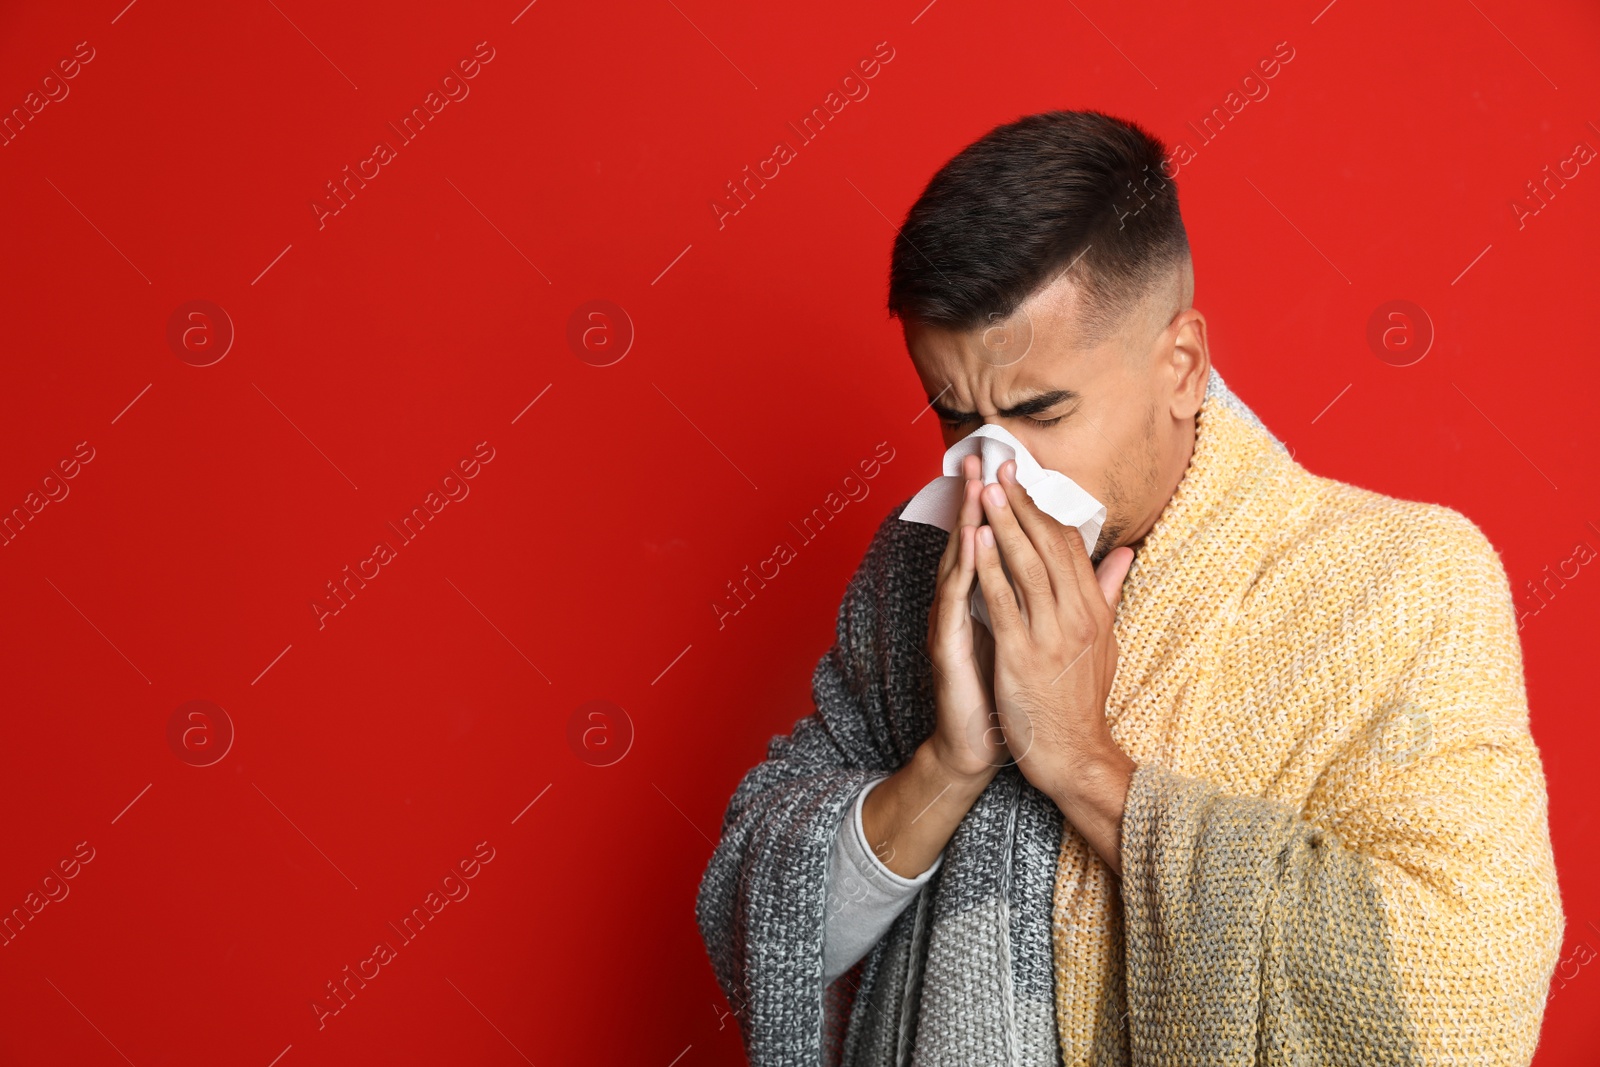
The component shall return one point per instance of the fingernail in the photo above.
(997, 495)
(986, 535)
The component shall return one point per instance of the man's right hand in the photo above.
(910, 817)
(967, 739)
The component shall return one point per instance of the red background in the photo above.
(374, 352)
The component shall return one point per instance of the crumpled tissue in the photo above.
(939, 502)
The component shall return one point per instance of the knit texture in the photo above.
(1335, 846)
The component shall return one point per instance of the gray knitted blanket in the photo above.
(964, 976)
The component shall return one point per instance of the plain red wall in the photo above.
(375, 348)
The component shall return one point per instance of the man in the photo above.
(1251, 782)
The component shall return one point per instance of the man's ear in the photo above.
(1191, 364)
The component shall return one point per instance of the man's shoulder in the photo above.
(1381, 543)
(1418, 530)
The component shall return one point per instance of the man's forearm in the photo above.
(912, 814)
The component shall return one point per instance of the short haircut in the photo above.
(1024, 202)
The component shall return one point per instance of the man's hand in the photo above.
(966, 740)
(909, 818)
(1054, 658)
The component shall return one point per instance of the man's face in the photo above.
(1116, 417)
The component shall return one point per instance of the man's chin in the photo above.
(1109, 535)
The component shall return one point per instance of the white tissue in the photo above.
(939, 502)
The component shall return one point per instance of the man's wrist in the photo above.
(1092, 797)
(935, 768)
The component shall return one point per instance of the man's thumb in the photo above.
(1112, 570)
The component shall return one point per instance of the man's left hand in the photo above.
(1055, 657)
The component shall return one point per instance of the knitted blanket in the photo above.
(1335, 846)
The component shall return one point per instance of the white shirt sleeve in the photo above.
(863, 896)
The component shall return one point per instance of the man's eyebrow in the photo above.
(1032, 406)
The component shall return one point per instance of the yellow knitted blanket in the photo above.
(1338, 824)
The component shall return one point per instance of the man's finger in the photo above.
(1004, 611)
(1050, 537)
(971, 514)
(952, 596)
(1112, 571)
(983, 651)
(1082, 566)
(971, 508)
(953, 599)
(1033, 580)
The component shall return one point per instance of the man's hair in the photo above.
(1028, 200)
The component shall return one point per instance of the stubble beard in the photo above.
(1116, 499)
